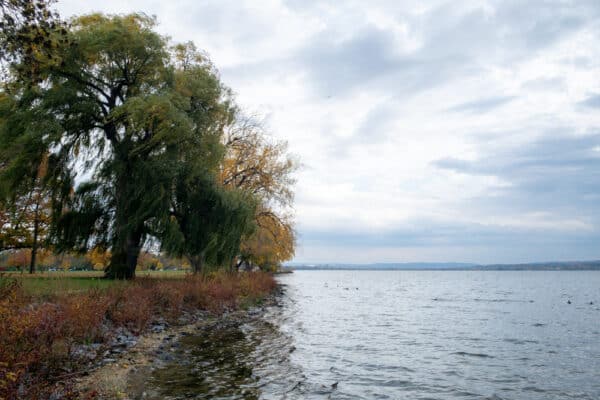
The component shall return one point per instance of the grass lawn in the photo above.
(44, 284)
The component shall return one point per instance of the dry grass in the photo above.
(39, 328)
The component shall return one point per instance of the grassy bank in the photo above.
(42, 318)
(48, 284)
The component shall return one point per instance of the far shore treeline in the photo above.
(116, 142)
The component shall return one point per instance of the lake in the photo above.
(404, 334)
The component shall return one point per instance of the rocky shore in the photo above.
(121, 368)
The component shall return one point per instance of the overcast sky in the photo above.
(432, 131)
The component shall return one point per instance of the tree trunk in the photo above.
(197, 263)
(133, 253)
(128, 240)
(124, 258)
(34, 244)
(117, 268)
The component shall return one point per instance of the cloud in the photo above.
(592, 102)
(545, 84)
(557, 175)
(455, 164)
(338, 66)
(437, 242)
(482, 105)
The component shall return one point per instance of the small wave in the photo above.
(397, 383)
(505, 380)
(379, 367)
(534, 389)
(520, 341)
(501, 300)
(480, 355)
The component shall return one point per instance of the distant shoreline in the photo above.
(444, 269)
(543, 266)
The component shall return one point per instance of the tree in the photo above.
(265, 170)
(272, 243)
(99, 258)
(25, 214)
(19, 259)
(130, 110)
(208, 222)
(155, 132)
(29, 35)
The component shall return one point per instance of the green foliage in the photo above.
(208, 222)
(121, 106)
(30, 32)
(134, 134)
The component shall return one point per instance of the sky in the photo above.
(435, 131)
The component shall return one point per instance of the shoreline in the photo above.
(55, 333)
(123, 375)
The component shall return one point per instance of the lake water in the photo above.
(404, 335)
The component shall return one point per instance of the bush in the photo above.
(130, 307)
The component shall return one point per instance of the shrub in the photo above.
(131, 307)
(85, 314)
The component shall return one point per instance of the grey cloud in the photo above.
(377, 126)
(372, 60)
(434, 233)
(557, 174)
(466, 242)
(454, 43)
(482, 105)
(592, 102)
(556, 83)
(543, 155)
(549, 29)
(338, 66)
(455, 164)
(226, 18)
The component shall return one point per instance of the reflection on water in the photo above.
(212, 364)
(402, 334)
(243, 357)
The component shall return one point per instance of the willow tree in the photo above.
(208, 222)
(122, 113)
(264, 169)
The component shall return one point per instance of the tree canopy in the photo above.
(262, 167)
(142, 143)
(30, 32)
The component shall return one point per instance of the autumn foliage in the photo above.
(37, 334)
(260, 166)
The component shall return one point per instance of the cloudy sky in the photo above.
(432, 131)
